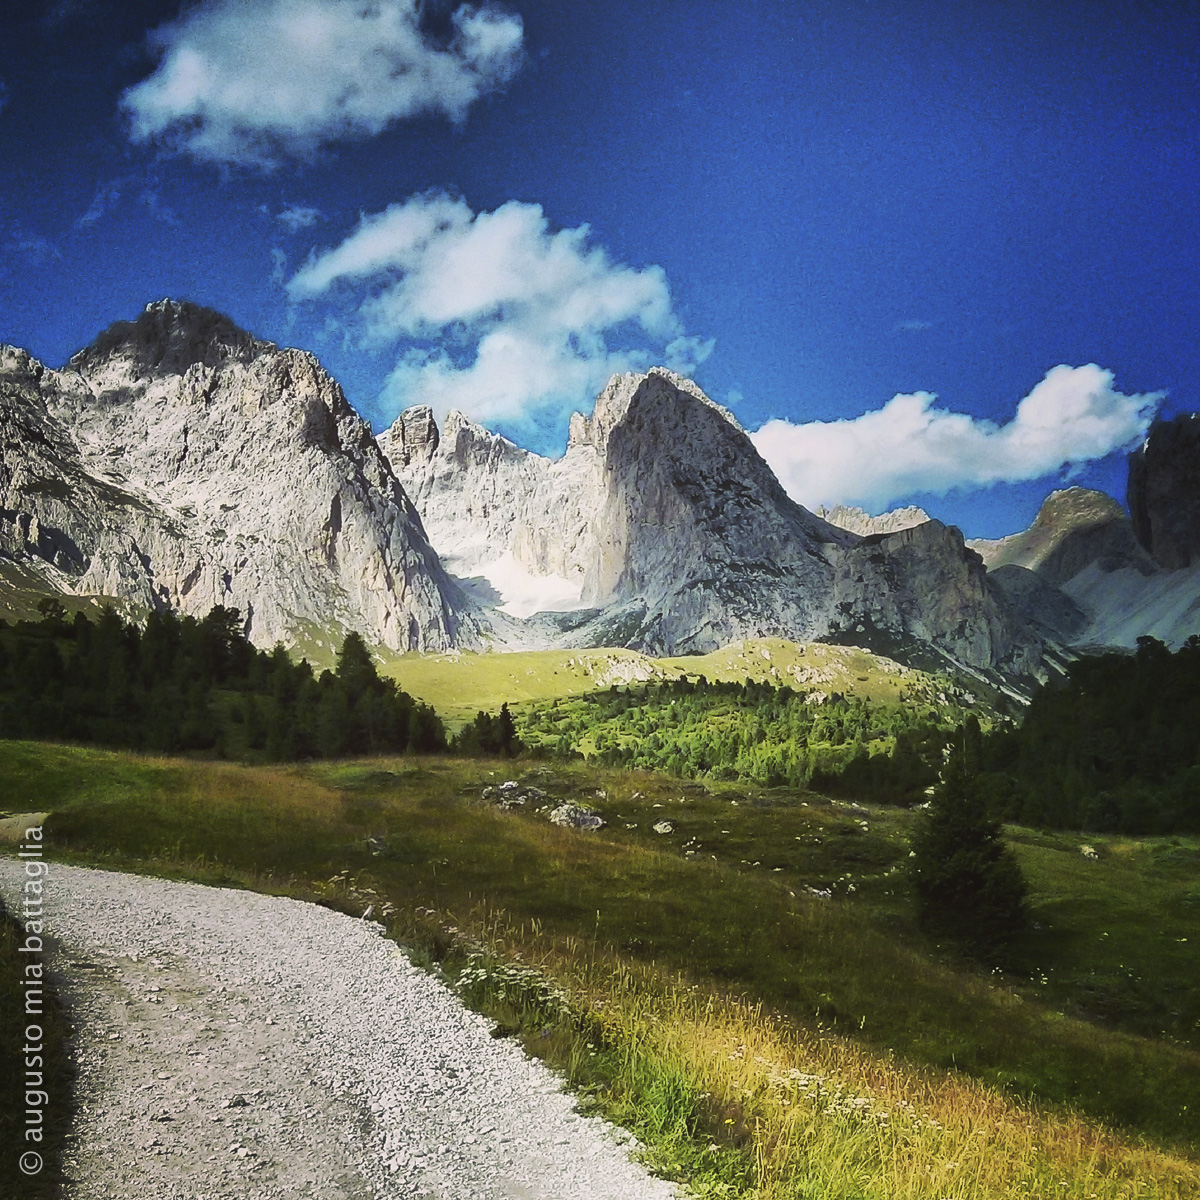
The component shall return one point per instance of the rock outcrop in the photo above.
(693, 526)
(1049, 608)
(1074, 528)
(1164, 492)
(922, 583)
(678, 538)
(487, 504)
(179, 461)
(1079, 574)
(858, 520)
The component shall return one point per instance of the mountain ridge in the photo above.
(1083, 570)
(180, 460)
(679, 538)
(191, 464)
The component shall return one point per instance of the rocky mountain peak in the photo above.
(1073, 528)
(859, 521)
(167, 338)
(657, 386)
(665, 522)
(17, 362)
(1075, 507)
(194, 465)
(579, 431)
(1163, 499)
(412, 439)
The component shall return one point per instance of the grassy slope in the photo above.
(489, 680)
(630, 916)
(21, 590)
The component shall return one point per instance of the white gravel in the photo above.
(233, 1045)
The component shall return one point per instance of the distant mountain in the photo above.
(1073, 529)
(178, 461)
(1083, 571)
(858, 520)
(674, 536)
(512, 525)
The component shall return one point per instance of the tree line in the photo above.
(179, 683)
(1112, 748)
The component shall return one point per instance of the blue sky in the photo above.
(828, 213)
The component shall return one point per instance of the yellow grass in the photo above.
(459, 684)
(825, 1119)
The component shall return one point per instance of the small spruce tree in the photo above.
(968, 884)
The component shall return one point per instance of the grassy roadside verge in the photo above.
(762, 1041)
(49, 1071)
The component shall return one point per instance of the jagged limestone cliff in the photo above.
(179, 461)
(678, 536)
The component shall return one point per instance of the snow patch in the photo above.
(517, 591)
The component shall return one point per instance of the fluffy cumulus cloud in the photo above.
(253, 81)
(1072, 417)
(497, 313)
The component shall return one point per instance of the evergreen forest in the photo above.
(1113, 748)
(756, 732)
(182, 684)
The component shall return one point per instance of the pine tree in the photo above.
(505, 732)
(968, 884)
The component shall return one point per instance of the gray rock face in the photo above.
(923, 583)
(1047, 606)
(1074, 528)
(680, 539)
(695, 527)
(487, 502)
(1164, 492)
(179, 461)
(1079, 574)
(858, 520)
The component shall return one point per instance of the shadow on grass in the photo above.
(36, 1074)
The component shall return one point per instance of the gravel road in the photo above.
(235, 1046)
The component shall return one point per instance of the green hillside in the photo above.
(733, 971)
(23, 590)
(459, 684)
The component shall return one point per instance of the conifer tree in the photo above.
(968, 884)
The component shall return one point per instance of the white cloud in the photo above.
(107, 195)
(497, 313)
(31, 246)
(253, 81)
(1072, 417)
(912, 326)
(296, 217)
(152, 201)
(685, 354)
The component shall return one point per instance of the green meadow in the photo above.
(461, 683)
(732, 971)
